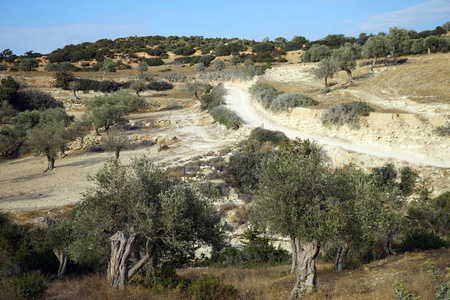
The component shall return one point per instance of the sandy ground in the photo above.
(24, 187)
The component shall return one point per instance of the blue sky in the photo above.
(44, 25)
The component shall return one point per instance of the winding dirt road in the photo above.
(239, 100)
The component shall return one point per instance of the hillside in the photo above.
(410, 101)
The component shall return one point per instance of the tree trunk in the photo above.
(50, 163)
(341, 257)
(117, 274)
(117, 153)
(62, 258)
(306, 277)
(388, 248)
(429, 50)
(374, 63)
(349, 75)
(326, 90)
(294, 254)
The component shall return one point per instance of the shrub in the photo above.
(145, 76)
(62, 66)
(263, 93)
(213, 190)
(265, 135)
(285, 101)
(62, 79)
(175, 77)
(257, 251)
(107, 86)
(160, 85)
(210, 287)
(346, 113)
(154, 62)
(241, 170)
(31, 285)
(443, 130)
(3, 67)
(33, 99)
(226, 117)
(421, 239)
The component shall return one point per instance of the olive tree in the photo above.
(117, 141)
(142, 66)
(345, 58)
(395, 39)
(138, 86)
(51, 134)
(108, 65)
(219, 65)
(135, 215)
(235, 60)
(325, 69)
(108, 110)
(27, 64)
(375, 47)
(292, 201)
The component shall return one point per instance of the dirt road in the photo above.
(239, 100)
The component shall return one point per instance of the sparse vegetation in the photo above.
(346, 113)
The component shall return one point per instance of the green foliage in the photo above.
(316, 53)
(263, 93)
(153, 62)
(421, 239)
(62, 79)
(242, 171)
(159, 85)
(138, 86)
(117, 140)
(197, 87)
(265, 135)
(433, 215)
(285, 101)
(346, 113)
(175, 77)
(210, 287)
(28, 286)
(219, 65)
(215, 98)
(407, 181)
(28, 64)
(401, 293)
(145, 76)
(34, 99)
(142, 66)
(170, 219)
(442, 279)
(62, 66)
(110, 109)
(375, 47)
(3, 67)
(291, 195)
(257, 251)
(227, 117)
(108, 65)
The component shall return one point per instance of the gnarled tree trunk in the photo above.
(50, 163)
(349, 75)
(294, 254)
(306, 275)
(121, 244)
(341, 257)
(326, 89)
(62, 258)
(388, 244)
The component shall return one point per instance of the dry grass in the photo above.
(372, 281)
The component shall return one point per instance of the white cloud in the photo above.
(47, 39)
(409, 18)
